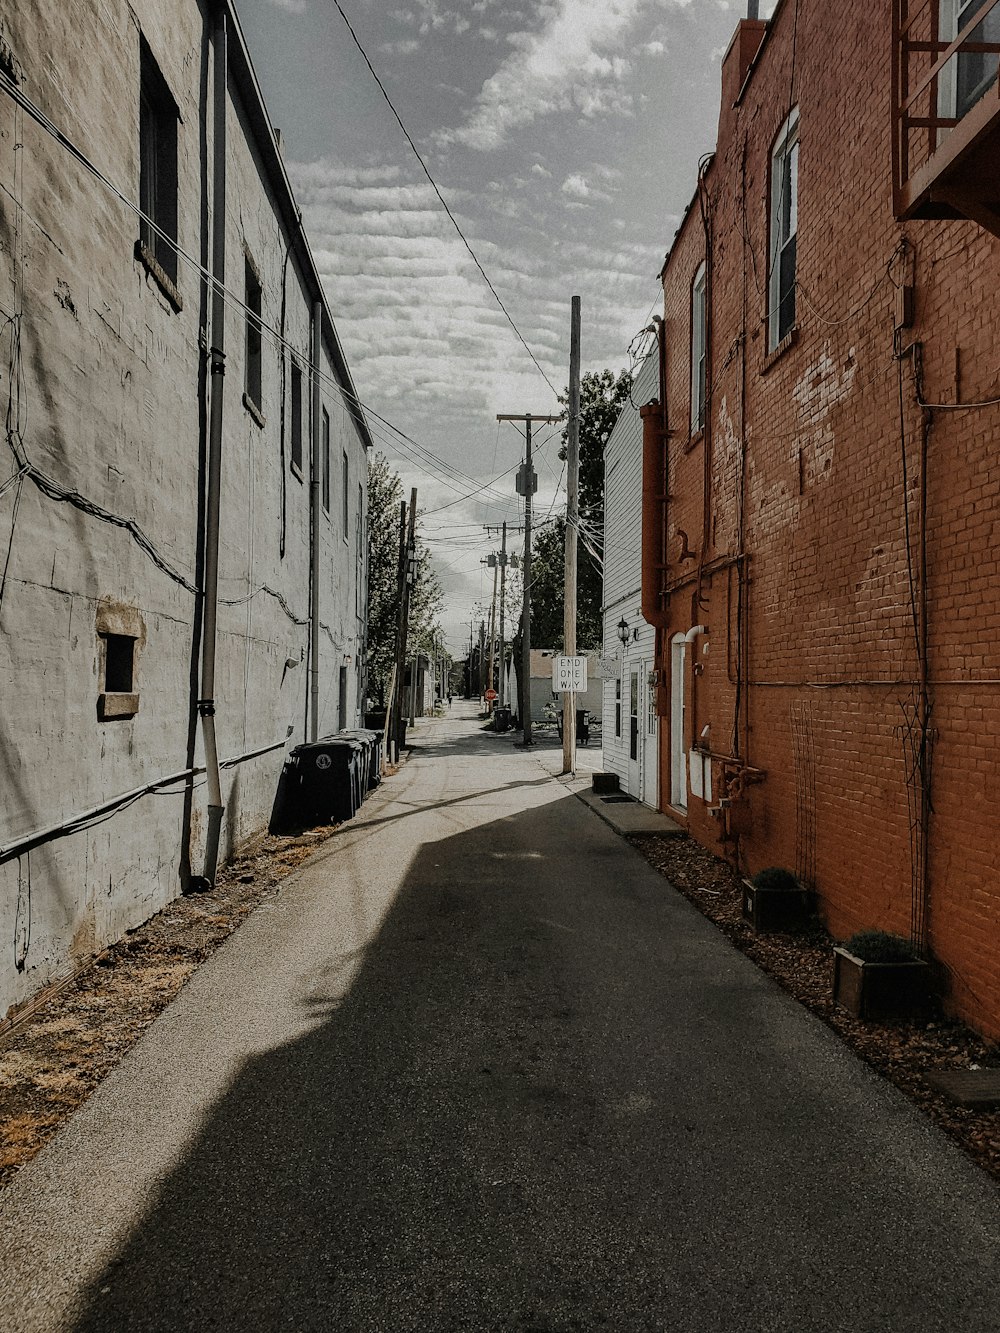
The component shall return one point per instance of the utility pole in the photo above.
(572, 520)
(503, 589)
(407, 537)
(527, 483)
(493, 635)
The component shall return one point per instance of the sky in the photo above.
(564, 136)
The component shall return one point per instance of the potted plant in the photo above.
(774, 900)
(878, 976)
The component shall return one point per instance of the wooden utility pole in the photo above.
(407, 537)
(503, 589)
(526, 484)
(493, 638)
(572, 520)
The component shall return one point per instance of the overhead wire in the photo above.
(441, 198)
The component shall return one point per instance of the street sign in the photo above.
(490, 695)
(569, 674)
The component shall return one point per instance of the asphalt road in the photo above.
(479, 1068)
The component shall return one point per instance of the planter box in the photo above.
(775, 909)
(880, 992)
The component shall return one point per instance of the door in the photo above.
(650, 741)
(633, 729)
(678, 767)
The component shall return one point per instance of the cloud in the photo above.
(654, 48)
(577, 187)
(290, 6)
(570, 64)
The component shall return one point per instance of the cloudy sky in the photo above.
(564, 136)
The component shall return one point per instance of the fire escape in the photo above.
(946, 110)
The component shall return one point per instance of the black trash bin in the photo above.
(501, 718)
(320, 784)
(582, 725)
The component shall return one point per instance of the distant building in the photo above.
(118, 133)
(631, 731)
(821, 493)
(545, 703)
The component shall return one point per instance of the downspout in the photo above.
(217, 355)
(314, 495)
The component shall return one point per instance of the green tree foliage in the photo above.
(602, 396)
(385, 493)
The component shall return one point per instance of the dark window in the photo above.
(977, 70)
(325, 462)
(157, 168)
(119, 663)
(296, 417)
(783, 232)
(618, 707)
(347, 529)
(253, 300)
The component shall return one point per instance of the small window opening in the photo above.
(253, 300)
(325, 461)
(158, 118)
(119, 663)
(297, 417)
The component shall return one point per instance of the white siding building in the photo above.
(631, 726)
(121, 124)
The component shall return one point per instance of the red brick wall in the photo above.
(809, 445)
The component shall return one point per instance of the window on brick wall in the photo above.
(346, 514)
(699, 325)
(784, 223)
(158, 118)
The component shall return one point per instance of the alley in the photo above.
(478, 1067)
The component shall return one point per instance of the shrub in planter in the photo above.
(877, 976)
(774, 900)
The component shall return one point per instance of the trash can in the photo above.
(582, 725)
(501, 718)
(320, 784)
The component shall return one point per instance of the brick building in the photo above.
(138, 161)
(821, 493)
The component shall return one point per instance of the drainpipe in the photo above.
(314, 484)
(217, 355)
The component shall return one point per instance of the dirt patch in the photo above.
(802, 964)
(51, 1062)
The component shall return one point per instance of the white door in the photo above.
(650, 742)
(678, 767)
(634, 728)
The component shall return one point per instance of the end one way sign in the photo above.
(569, 674)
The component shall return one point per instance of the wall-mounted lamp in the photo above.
(623, 631)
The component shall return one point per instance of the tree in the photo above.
(385, 493)
(602, 397)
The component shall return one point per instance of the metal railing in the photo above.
(936, 84)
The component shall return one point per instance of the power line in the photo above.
(444, 205)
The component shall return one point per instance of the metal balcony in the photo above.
(946, 110)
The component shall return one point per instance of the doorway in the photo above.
(633, 729)
(650, 741)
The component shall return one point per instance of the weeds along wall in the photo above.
(104, 341)
(836, 535)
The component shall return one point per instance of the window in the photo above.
(618, 706)
(347, 520)
(784, 221)
(253, 299)
(158, 117)
(325, 461)
(120, 634)
(699, 321)
(296, 417)
(969, 74)
(360, 557)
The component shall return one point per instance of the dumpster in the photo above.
(319, 784)
(582, 725)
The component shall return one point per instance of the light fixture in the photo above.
(623, 631)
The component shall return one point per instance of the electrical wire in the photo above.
(441, 198)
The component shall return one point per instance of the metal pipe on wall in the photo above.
(315, 463)
(206, 704)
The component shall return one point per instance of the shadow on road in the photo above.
(552, 1099)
